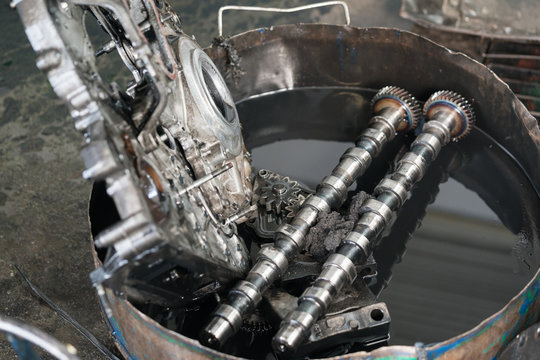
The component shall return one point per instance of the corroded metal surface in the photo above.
(139, 337)
(148, 206)
(494, 18)
(317, 55)
(146, 339)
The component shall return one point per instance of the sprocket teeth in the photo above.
(461, 105)
(256, 327)
(413, 111)
(275, 199)
(293, 208)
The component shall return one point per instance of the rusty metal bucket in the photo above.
(300, 56)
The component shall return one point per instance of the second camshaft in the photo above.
(394, 110)
(449, 116)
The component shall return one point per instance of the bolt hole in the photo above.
(377, 314)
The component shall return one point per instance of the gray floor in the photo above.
(43, 200)
(43, 205)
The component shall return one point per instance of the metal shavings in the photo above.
(331, 228)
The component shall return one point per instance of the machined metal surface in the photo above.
(448, 116)
(168, 147)
(394, 110)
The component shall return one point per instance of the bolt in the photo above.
(263, 173)
(521, 340)
(279, 189)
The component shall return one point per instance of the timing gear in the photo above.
(454, 105)
(278, 192)
(278, 199)
(411, 111)
(292, 210)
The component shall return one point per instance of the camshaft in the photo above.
(449, 116)
(395, 110)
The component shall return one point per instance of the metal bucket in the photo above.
(311, 56)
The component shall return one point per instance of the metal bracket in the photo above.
(282, 10)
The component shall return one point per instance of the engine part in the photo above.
(278, 192)
(449, 116)
(279, 198)
(168, 147)
(394, 110)
(353, 320)
(409, 218)
(367, 327)
(524, 346)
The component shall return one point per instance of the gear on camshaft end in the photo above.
(393, 96)
(455, 105)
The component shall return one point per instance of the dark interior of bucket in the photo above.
(316, 82)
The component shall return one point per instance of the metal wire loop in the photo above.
(282, 10)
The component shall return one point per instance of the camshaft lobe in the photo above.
(395, 110)
(449, 117)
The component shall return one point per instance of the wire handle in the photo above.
(282, 10)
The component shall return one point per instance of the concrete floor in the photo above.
(43, 199)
